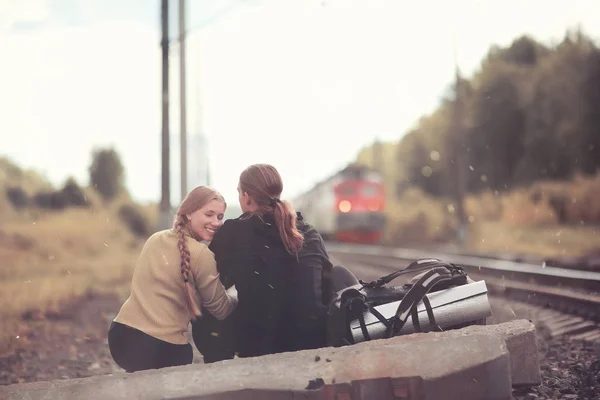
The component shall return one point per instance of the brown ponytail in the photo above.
(263, 183)
(285, 219)
(195, 200)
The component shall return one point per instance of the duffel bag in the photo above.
(441, 297)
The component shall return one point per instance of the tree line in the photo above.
(106, 178)
(531, 112)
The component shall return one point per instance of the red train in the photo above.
(348, 206)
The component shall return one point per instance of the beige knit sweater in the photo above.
(157, 303)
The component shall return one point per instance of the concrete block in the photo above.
(520, 337)
(522, 343)
(431, 366)
(521, 340)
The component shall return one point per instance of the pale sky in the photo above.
(300, 84)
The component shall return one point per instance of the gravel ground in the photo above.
(570, 370)
(71, 344)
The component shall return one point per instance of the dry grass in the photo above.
(542, 204)
(546, 241)
(417, 218)
(60, 256)
(522, 221)
(48, 258)
(529, 220)
(65, 254)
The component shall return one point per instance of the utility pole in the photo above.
(182, 101)
(165, 202)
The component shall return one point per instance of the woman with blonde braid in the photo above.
(150, 330)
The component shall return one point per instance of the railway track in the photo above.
(566, 302)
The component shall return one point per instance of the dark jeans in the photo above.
(214, 339)
(134, 350)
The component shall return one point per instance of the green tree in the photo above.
(74, 194)
(107, 172)
(498, 129)
(523, 51)
(589, 141)
(531, 112)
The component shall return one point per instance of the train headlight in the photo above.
(345, 206)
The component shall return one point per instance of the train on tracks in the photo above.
(348, 206)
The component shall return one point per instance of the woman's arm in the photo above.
(212, 292)
(315, 260)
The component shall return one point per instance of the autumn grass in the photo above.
(548, 219)
(499, 237)
(57, 257)
(49, 258)
(417, 219)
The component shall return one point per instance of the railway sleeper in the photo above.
(575, 328)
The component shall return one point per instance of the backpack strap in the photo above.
(361, 318)
(357, 304)
(363, 326)
(415, 319)
(419, 265)
(414, 297)
(354, 301)
(415, 316)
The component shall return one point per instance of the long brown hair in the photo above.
(196, 199)
(263, 183)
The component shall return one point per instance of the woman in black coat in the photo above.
(281, 271)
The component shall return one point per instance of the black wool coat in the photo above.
(282, 297)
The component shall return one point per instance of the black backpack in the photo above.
(350, 305)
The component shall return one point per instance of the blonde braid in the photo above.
(180, 226)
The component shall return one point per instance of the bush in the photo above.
(486, 206)
(73, 194)
(106, 173)
(418, 219)
(51, 200)
(536, 196)
(17, 197)
(135, 220)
